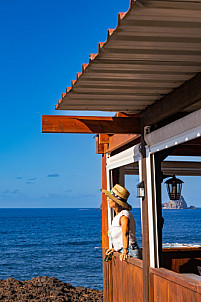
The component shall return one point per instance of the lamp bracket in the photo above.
(147, 130)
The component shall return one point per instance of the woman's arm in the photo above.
(124, 222)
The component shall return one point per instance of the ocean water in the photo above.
(182, 226)
(66, 243)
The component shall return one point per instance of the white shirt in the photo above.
(115, 231)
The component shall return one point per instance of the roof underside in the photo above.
(154, 49)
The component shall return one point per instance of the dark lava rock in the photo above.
(45, 289)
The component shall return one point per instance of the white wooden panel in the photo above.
(124, 158)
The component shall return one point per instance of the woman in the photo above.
(123, 228)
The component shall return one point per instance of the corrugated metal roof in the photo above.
(154, 49)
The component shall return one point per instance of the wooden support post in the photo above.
(145, 235)
(159, 157)
(121, 176)
(158, 176)
(107, 266)
(105, 241)
(118, 176)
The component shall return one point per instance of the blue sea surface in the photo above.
(182, 226)
(66, 243)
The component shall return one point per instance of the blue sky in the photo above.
(43, 46)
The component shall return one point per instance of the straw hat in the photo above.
(120, 195)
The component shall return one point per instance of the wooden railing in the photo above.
(182, 259)
(168, 286)
(122, 279)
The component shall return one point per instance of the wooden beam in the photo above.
(179, 99)
(108, 143)
(187, 150)
(117, 141)
(90, 124)
(183, 168)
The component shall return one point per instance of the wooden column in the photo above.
(158, 177)
(145, 236)
(118, 176)
(107, 266)
(159, 157)
(105, 240)
(152, 210)
(121, 176)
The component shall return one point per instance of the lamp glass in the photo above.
(140, 190)
(174, 186)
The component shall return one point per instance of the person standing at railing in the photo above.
(123, 228)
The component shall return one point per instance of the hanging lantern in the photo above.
(174, 186)
(140, 190)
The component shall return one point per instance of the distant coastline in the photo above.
(180, 204)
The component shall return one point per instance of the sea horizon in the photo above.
(79, 208)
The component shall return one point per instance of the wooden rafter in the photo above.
(179, 99)
(90, 124)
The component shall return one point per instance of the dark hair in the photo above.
(120, 208)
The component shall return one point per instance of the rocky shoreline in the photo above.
(45, 289)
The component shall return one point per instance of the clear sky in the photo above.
(43, 46)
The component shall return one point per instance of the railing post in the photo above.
(151, 286)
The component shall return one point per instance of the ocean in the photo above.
(66, 243)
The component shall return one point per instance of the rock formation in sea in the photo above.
(177, 204)
(43, 289)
